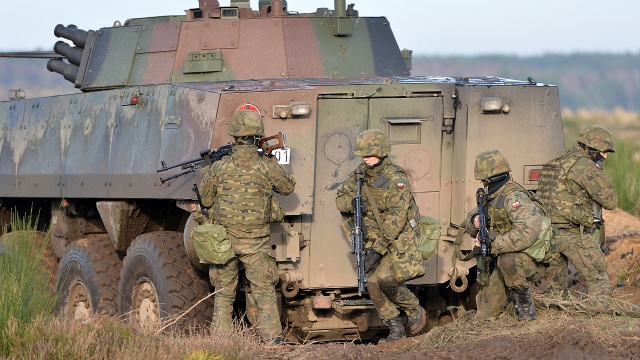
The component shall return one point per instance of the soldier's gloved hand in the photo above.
(371, 261)
(364, 205)
(199, 217)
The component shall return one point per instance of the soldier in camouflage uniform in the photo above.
(392, 253)
(238, 188)
(571, 187)
(514, 221)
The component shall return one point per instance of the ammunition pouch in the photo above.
(541, 246)
(573, 210)
(428, 235)
(211, 244)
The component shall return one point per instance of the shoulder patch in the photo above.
(400, 185)
(516, 205)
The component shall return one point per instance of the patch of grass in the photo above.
(623, 168)
(623, 277)
(26, 291)
(104, 337)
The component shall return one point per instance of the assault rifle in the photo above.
(209, 156)
(483, 235)
(357, 235)
(484, 258)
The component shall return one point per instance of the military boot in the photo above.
(524, 304)
(417, 322)
(397, 330)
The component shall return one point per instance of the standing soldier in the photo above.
(390, 217)
(572, 186)
(239, 190)
(514, 221)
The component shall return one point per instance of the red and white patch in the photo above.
(400, 185)
(516, 205)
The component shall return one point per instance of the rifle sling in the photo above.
(376, 214)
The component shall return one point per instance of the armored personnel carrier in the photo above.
(159, 90)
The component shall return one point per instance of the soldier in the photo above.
(515, 221)
(239, 190)
(392, 256)
(572, 186)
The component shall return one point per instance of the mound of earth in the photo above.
(623, 255)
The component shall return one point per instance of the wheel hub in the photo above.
(79, 305)
(145, 300)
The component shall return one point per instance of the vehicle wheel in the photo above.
(88, 279)
(49, 259)
(159, 284)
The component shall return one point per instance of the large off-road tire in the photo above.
(159, 285)
(88, 279)
(40, 241)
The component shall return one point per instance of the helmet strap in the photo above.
(376, 164)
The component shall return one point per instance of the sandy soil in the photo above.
(554, 335)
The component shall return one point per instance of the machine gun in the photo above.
(209, 156)
(357, 234)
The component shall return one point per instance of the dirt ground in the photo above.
(556, 334)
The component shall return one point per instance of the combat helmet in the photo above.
(246, 123)
(597, 137)
(489, 164)
(372, 142)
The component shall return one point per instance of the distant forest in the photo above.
(586, 81)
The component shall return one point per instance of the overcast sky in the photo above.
(428, 27)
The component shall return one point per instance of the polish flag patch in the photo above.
(400, 185)
(515, 205)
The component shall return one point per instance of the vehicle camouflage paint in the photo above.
(164, 88)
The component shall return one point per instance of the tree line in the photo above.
(586, 81)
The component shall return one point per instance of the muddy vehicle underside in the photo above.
(88, 162)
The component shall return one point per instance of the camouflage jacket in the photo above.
(238, 188)
(513, 217)
(389, 186)
(569, 184)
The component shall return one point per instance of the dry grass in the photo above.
(104, 337)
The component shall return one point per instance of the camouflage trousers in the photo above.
(513, 271)
(585, 254)
(388, 294)
(261, 273)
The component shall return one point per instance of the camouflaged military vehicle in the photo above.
(159, 90)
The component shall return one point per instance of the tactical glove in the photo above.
(199, 218)
(371, 261)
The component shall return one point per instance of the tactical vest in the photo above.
(244, 197)
(566, 207)
(379, 186)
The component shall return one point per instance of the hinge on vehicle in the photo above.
(447, 125)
